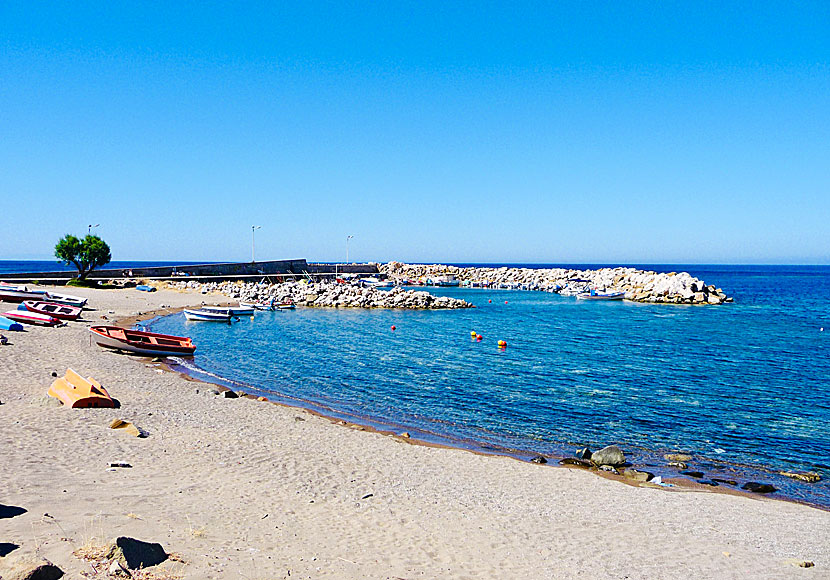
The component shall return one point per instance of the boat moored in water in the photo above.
(223, 315)
(141, 342)
(594, 295)
(241, 310)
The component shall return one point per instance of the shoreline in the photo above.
(648, 457)
(242, 489)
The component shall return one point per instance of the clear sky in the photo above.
(647, 132)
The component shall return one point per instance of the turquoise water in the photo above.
(744, 387)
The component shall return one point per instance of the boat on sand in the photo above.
(141, 342)
(31, 318)
(51, 309)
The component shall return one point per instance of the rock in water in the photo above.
(611, 455)
(678, 457)
(134, 553)
(29, 568)
(756, 487)
(575, 462)
(538, 459)
(583, 453)
(638, 475)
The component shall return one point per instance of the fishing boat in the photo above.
(376, 283)
(6, 324)
(208, 315)
(285, 306)
(241, 310)
(27, 317)
(56, 310)
(141, 342)
(18, 293)
(65, 299)
(594, 295)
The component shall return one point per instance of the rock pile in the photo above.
(638, 285)
(326, 295)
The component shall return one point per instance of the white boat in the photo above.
(208, 315)
(31, 318)
(241, 310)
(594, 295)
(65, 299)
(10, 293)
(375, 283)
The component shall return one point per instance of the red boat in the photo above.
(32, 317)
(141, 342)
(50, 309)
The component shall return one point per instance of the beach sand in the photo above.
(239, 488)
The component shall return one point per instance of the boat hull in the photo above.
(609, 296)
(206, 316)
(241, 310)
(140, 342)
(6, 324)
(35, 318)
(57, 310)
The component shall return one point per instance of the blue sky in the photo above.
(615, 132)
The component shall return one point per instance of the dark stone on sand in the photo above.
(609, 469)
(538, 459)
(584, 453)
(575, 462)
(229, 394)
(611, 455)
(638, 475)
(756, 487)
(726, 481)
(30, 568)
(54, 374)
(134, 553)
(707, 482)
(692, 474)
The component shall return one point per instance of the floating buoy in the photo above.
(505, 301)
(490, 301)
(479, 337)
(393, 327)
(502, 344)
(473, 333)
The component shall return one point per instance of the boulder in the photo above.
(756, 487)
(611, 455)
(134, 554)
(29, 568)
(538, 459)
(637, 475)
(575, 462)
(583, 453)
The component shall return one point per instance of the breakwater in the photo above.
(325, 295)
(638, 285)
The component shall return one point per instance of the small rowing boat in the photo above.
(241, 310)
(31, 318)
(56, 310)
(18, 293)
(594, 295)
(208, 315)
(141, 342)
(65, 299)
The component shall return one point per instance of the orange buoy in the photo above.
(479, 337)
(505, 301)
(490, 301)
(393, 327)
(502, 344)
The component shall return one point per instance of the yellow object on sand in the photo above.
(126, 427)
(77, 392)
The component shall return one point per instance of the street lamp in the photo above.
(89, 228)
(253, 229)
(347, 247)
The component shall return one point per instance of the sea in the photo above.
(741, 387)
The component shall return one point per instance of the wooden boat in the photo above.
(594, 295)
(241, 310)
(6, 324)
(65, 299)
(76, 392)
(208, 315)
(18, 293)
(32, 317)
(56, 310)
(141, 342)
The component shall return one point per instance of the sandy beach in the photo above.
(239, 488)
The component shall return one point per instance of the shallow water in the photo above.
(743, 386)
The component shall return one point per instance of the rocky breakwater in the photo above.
(326, 295)
(638, 285)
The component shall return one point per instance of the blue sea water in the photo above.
(743, 387)
(27, 266)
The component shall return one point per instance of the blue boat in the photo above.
(145, 288)
(6, 324)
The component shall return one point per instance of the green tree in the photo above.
(86, 255)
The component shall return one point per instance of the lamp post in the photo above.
(253, 229)
(347, 247)
(89, 228)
